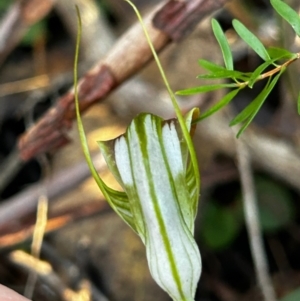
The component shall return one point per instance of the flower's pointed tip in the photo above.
(191, 118)
(196, 113)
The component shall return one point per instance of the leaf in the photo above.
(287, 13)
(210, 66)
(223, 102)
(280, 53)
(221, 38)
(276, 209)
(261, 98)
(206, 88)
(251, 39)
(225, 74)
(251, 110)
(292, 296)
(245, 113)
(220, 226)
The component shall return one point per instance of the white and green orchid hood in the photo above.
(156, 165)
(151, 163)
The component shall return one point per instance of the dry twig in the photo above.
(37, 240)
(252, 222)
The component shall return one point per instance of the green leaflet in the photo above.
(220, 104)
(287, 13)
(280, 53)
(226, 74)
(210, 66)
(221, 38)
(251, 40)
(207, 88)
(251, 110)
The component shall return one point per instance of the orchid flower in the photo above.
(155, 164)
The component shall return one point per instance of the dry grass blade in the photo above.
(38, 235)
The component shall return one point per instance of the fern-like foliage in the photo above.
(278, 58)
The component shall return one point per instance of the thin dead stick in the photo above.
(39, 227)
(252, 221)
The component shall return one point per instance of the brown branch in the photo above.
(128, 56)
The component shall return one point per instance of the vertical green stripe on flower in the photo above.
(158, 211)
